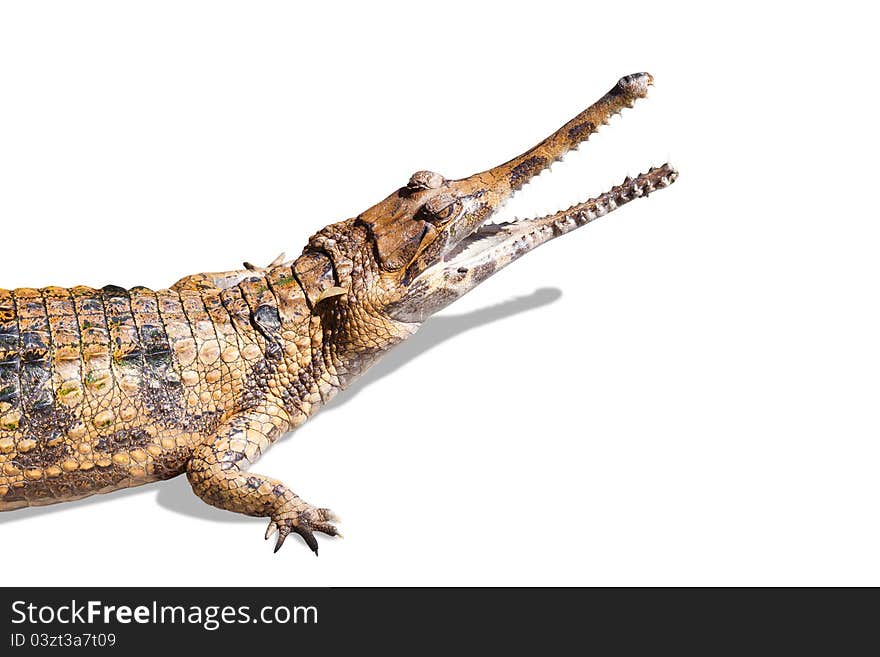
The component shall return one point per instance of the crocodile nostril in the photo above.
(426, 180)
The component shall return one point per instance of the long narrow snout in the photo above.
(501, 182)
(472, 249)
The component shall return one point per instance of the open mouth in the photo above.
(489, 246)
(473, 248)
(491, 241)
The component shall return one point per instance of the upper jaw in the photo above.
(506, 179)
(488, 191)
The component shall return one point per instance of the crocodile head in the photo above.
(433, 238)
(431, 241)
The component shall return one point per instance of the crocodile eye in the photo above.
(442, 207)
(425, 180)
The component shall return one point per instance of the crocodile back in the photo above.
(107, 388)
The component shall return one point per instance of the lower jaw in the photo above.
(500, 244)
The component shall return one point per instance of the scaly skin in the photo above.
(105, 389)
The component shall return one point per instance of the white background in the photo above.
(684, 392)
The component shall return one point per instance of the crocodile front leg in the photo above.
(217, 474)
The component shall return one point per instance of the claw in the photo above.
(283, 531)
(308, 537)
(305, 521)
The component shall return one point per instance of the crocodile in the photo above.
(104, 389)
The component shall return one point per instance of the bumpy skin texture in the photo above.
(102, 389)
(110, 388)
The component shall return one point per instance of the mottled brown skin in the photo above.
(102, 389)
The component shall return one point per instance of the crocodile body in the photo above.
(102, 389)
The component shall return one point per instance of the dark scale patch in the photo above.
(162, 394)
(202, 423)
(256, 383)
(154, 342)
(124, 439)
(44, 422)
(91, 305)
(7, 307)
(263, 314)
(44, 457)
(172, 463)
(237, 309)
(267, 321)
(33, 345)
(33, 307)
(577, 133)
(300, 387)
(127, 353)
(10, 353)
(160, 386)
(114, 291)
(143, 301)
(36, 388)
(291, 399)
(526, 170)
(230, 459)
(9, 382)
(253, 483)
(8, 342)
(124, 336)
(266, 318)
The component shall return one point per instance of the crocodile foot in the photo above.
(304, 519)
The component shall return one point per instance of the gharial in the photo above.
(102, 389)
